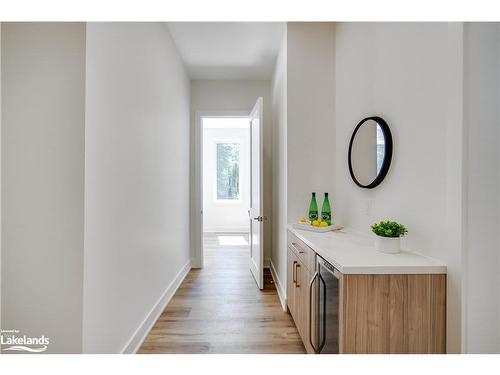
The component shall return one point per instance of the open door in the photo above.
(256, 206)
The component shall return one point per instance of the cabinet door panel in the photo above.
(308, 309)
(290, 284)
(393, 313)
(305, 254)
(298, 281)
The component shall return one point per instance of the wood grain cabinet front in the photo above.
(305, 254)
(393, 314)
(299, 276)
(386, 313)
(291, 294)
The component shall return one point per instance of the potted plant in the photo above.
(388, 236)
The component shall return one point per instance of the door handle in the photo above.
(258, 218)
(310, 311)
(294, 272)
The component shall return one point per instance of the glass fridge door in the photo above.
(328, 308)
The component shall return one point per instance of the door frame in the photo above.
(197, 224)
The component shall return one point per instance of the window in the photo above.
(228, 171)
(380, 148)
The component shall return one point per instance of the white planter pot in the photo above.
(390, 245)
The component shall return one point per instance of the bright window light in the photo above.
(226, 123)
(232, 241)
(228, 171)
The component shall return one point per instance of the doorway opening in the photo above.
(228, 190)
(226, 187)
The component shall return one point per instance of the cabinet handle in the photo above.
(294, 244)
(310, 311)
(297, 266)
(323, 341)
(294, 276)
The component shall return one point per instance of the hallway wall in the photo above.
(43, 92)
(279, 158)
(310, 114)
(304, 131)
(482, 123)
(136, 178)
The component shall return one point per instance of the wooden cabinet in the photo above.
(393, 314)
(387, 313)
(300, 270)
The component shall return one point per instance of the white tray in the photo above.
(311, 228)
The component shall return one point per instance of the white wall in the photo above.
(481, 100)
(0, 176)
(407, 73)
(234, 96)
(385, 69)
(43, 98)
(303, 95)
(279, 159)
(310, 115)
(225, 215)
(136, 178)
(453, 231)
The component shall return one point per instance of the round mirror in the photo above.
(370, 152)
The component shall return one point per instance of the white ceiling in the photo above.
(228, 50)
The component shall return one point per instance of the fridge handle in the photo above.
(323, 341)
(310, 310)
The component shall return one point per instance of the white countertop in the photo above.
(351, 253)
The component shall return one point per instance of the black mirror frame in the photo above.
(387, 155)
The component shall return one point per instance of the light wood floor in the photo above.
(219, 309)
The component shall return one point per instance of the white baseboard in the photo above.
(279, 286)
(196, 263)
(136, 340)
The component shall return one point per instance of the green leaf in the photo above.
(389, 229)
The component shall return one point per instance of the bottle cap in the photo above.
(314, 193)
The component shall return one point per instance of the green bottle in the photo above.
(313, 208)
(326, 212)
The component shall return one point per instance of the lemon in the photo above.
(302, 219)
(323, 224)
(315, 223)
